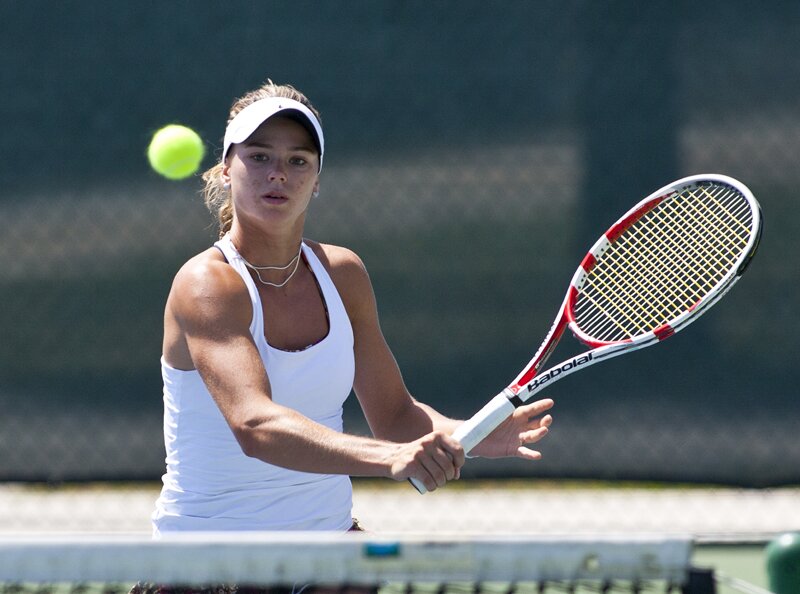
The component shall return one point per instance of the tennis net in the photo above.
(285, 563)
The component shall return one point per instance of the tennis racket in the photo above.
(655, 271)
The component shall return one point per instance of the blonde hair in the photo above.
(216, 197)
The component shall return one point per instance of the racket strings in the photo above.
(665, 263)
(706, 258)
(618, 285)
(666, 290)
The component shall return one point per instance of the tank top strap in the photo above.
(337, 314)
(225, 245)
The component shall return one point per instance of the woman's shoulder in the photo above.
(337, 260)
(207, 275)
(208, 263)
(207, 298)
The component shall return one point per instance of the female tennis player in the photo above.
(265, 335)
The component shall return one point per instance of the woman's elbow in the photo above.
(250, 435)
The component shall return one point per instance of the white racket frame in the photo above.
(529, 381)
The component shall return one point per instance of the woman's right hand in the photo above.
(434, 459)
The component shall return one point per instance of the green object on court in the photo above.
(783, 564)
(175, 151)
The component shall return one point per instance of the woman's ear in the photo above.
(226, 176)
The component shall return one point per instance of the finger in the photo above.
(533, 435)
(455, 450)
(426, 471)
(528, 454)
(546, 421)
(534, 409)
(439, 463)
(440, 469)
(428, 479)
(447, 457)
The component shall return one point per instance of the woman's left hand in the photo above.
(524, 427)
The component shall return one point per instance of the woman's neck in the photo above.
(261, 248)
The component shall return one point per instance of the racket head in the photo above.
(664, 262)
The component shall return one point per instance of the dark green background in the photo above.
(474, 152)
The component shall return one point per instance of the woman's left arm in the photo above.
(392, 413)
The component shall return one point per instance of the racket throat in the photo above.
(518, 394)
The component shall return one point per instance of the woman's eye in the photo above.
(298, 161)
(259, 157)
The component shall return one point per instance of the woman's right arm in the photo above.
(209, 310)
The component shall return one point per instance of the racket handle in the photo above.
(418, 486)
(473, 431)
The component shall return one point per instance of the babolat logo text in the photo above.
(556, 371)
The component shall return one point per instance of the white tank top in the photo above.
(210, 484)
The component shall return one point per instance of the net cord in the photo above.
(263, 558)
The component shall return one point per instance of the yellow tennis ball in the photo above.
(175, 151)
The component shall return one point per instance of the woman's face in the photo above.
(273, 173)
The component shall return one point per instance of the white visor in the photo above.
(251, 117)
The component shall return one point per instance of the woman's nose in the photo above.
(277, 173)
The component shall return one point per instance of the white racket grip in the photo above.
(483, 422)
(473, 431)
